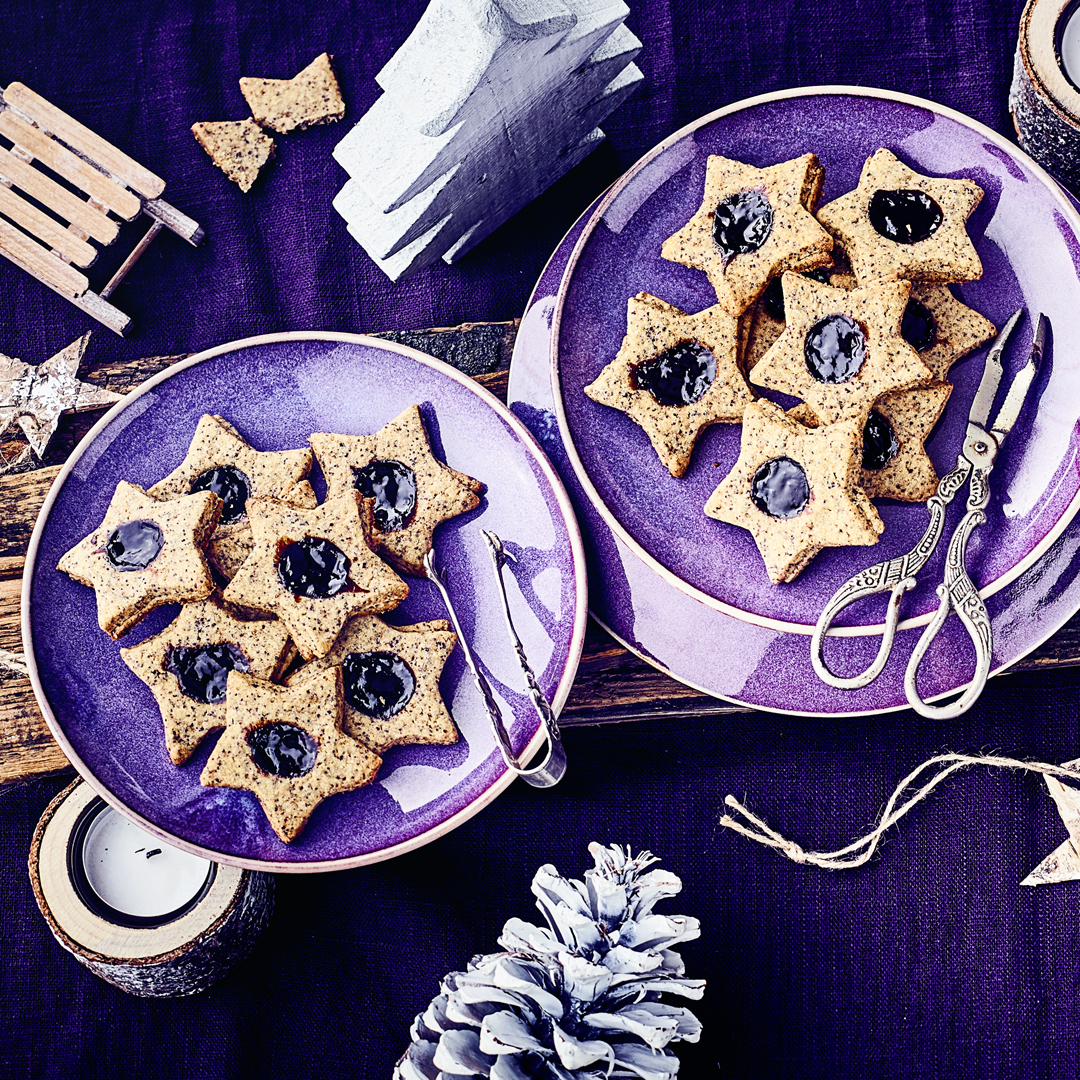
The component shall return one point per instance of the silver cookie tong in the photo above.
(552, 765)
(957, 591)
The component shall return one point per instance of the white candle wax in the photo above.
(134, 872)
(1070, 47)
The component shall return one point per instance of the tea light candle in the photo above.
(132, 876)
(1044, 99)
(146, 916)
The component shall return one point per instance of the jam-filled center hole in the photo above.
(230, 485)
(203, 670)
(918, 326)
(835, 349)
(378, 684)
(780, 488)
(905, 216)
(283, 749)
(134, 545)
(680, 375)
(742, 223)
(879, 442)
(393, 487)
(313, 567)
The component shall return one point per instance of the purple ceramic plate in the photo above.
(1026, 232)
(763, 666)
(277, 390)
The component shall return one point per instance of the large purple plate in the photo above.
(719, 653)
(1026, 232)
(277, 390)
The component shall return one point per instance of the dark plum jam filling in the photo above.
(393, 487)
(134, 545)
(283, 749)
(678, 376)
(904, 216)
(313, 567)
(202, 670)
(835, 349)
(742, 223)
(918, 327)
(772, 298)
(879, 442)
(378, 684)
(780, 488)
(230, 485)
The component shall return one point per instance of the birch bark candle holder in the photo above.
(1045, 99)
(147, 917)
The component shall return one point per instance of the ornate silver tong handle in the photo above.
(552, 765)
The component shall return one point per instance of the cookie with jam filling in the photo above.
(405, 491)
(286, 746)
(898, 223)
(895, 464)
(390, 676)
(752, 225)
(186, 667)
(674, 375)
(795, 490)
(313, 569)
(219, 459)
(145, 553)
(841, 349)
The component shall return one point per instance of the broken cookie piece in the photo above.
(283, 105)
(239, 148)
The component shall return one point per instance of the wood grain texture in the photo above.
(612, 684)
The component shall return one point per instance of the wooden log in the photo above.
(82, 139)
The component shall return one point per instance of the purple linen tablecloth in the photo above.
(931, 962)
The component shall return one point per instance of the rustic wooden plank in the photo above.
(58, 199)
(85, 141)
(67, 245)
(72, 168)
(26, 252)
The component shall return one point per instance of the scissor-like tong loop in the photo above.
(957, 592)
(551, 767)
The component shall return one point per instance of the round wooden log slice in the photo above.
(174, 959)
(1045, 105)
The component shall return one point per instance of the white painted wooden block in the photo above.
(485, 105)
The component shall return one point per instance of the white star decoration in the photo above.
(1062, 864)
(35, 396)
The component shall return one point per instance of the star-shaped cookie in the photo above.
(187, 664)
(296, 730)
(145, 553)
(242, 472)
(901, 224)
(752, 224)
(402, 507)
(852, 339)
(313, 569)
(895, 464)
(35, 397)
(370, 653)
(777, 458)
(682, 348)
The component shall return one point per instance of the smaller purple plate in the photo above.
(277, 390)
(1025, 230)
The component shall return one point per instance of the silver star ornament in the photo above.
(36, 396)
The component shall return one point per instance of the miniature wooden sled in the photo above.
(50, 231)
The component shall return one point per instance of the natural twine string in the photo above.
(861, 850)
